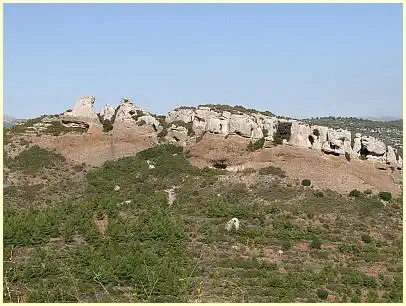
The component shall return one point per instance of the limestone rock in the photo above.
(127, 109)
(400, 163)
(185, 115)
(372, 146)
(391, 157)
(300, 134)
(107, 112)
(83, 108)
(151, 120)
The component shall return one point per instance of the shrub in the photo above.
(386, 196)
(316, 133)
(272, 170)
(141, 123)
(366, 238)
(316, 243)
(306, 182)
(368, 191)
(35, 159)
(347, 156)
(68, 110)
(363, 157)
(256, 145)
(319, 194)
(355, 193)
(282, 132)
(322, 293)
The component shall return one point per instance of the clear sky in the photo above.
(297, 60)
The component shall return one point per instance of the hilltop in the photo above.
(127, 206)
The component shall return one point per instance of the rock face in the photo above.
(83, 108)
(127, 109)
(249, 125)
(107, 113)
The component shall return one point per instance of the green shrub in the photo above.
(282, 132)
(316, 133)
(355, 193)
(141, 123)
(366, 238)
(368, 191)
(36, 158)
(272, 170)
(306, 182)
(322, 293)
(386, 196)
(259, 144)
(363, 157)
(347, 156)
(316, 243)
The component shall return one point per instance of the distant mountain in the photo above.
(382, 118)
(9, 121)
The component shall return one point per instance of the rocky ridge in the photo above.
(186, 124)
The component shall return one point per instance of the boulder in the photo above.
(107, 112)
(356, 150)
(126, 110)
(242, 125)
(185, 115)
(391, 157)
(83, 108)
(300, 134)
(151, 120)
(372, 146)
(400, 163)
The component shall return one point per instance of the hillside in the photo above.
(134, 209)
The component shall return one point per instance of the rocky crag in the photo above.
(187, 124)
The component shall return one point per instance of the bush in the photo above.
(366, 238)
(319, 194)
(347, 156)
(35, 159)
(272, 170)
(256, 145)
(386, 196)
(141, 123)
(363, 157)
(316, 243)
(368, 191)
(306, 182)
(316, 133)
(322, 293)
(282, 132)
(355, 193)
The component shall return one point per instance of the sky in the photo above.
(297, 60)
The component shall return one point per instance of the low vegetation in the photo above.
(132, 245)
(253, 146)
(34, 159)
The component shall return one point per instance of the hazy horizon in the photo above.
(296, 60)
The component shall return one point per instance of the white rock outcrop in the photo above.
(107, 112)
(83, 108)
(127, 109)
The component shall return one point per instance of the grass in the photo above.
(156, 252)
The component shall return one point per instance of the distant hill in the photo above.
(382, 118)
(9, 121)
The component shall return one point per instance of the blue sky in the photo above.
(297, 60)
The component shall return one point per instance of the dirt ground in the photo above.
(325, 171)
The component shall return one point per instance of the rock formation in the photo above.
(83, 109)
(251, 125)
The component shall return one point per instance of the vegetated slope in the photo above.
(390, 132)
(99, 244)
